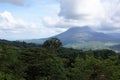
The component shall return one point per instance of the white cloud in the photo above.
(9, 23)
(81, 9)
(100, 14)
(49, 21)
(61, 22)
(82, 12)
(112, 20)
(13, 29)
(15, 2)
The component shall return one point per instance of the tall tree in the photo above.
(53, 43)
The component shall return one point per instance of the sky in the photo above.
(34, 19)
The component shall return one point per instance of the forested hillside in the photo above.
(51, 61)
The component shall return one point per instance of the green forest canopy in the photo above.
(51, 61)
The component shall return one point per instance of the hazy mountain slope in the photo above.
(83, 34)
(83, 38)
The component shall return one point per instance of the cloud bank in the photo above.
(12, 28)
(100, 14)
(81, 9)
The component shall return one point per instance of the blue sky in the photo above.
(30, 12)
(34, 19)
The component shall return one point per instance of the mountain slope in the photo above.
(83, 34)
(83, 38)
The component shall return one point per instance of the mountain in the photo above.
(83, 38)
(83, 34)
(116, 35)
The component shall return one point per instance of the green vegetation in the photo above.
(51, 61)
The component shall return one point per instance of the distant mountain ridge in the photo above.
(83, 34)
(83, 37)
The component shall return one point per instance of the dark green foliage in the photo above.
(23, 61)
(42, 64)
(52, 43)
(116, 47)
(103, 54)
(17, 44)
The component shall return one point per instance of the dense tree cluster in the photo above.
(23, 61)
